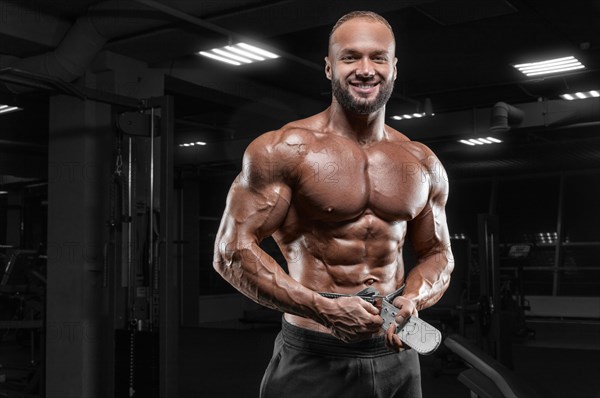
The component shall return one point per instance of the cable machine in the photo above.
(139, 269)
(496, 336)
(140, 231)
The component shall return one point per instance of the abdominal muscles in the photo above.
(349, 256)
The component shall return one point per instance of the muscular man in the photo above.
(340, 192)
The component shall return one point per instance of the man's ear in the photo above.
(327, 68)
(395, 69)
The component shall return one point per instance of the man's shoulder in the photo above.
(278, 154)
(417, 149)
(293, 138)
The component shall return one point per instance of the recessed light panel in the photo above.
(581, 95)
(8, 108)
(239, 54)
(480, 141)
(193, 143)
(410, 116)
(550, 66)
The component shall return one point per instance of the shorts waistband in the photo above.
(326, 344)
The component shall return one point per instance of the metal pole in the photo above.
(169, 298)
(558, 251)
(130, 270)
(150, 292)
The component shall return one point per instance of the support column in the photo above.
(189, 252)
(14, 219)
(78, 315)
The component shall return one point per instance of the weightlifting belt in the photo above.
(415, 333)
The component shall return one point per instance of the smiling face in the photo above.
(361, 65)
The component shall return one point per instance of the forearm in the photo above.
(258, 276)
(429, 279)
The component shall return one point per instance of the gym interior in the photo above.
(119, 140)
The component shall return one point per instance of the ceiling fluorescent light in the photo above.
(427, 111)
(408, 116)
(243, 53)
(556, 70)
(239, 54)
(550, 66)
(580, 95)
(8, 108)
(480, 141)
(194, 143)
(258, 51)
(232, 56)
(219, 58)
(476, 141)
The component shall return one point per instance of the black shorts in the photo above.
(307, 364)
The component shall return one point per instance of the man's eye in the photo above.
(348, 58)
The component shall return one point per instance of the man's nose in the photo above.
(365, 69)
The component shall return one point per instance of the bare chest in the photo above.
(342, 183)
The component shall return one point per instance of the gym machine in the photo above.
(22, 309)
(138, 251)
(139, 272)
(490, 361)
(496, 337)
(486, 377)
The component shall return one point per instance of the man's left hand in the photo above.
(407, 309)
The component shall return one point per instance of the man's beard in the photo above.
(362, 106)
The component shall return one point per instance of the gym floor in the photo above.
(228, 360)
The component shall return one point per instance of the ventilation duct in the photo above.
(539, 115)
(505, 116)
(85, 40)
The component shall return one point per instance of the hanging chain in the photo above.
(119, 159)
(119, 163)
(131, 361)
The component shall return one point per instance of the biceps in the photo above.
(429, 231)
(253, 214)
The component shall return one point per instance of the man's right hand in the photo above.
(351, 318)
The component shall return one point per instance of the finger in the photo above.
(390, 333)
(398, 302)
(406, 306)
(389, 338)
(393, 339)
(404, 313)
(397, 342)
(370, 307)
(400, 320)
(377, 321)
(341, 336)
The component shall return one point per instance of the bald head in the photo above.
(367, 15)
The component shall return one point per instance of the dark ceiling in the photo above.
(456, 53)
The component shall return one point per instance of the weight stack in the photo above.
(145, 364)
